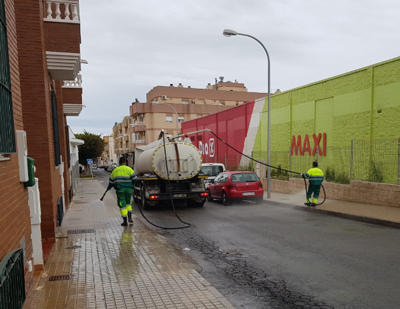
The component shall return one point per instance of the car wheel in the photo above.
(209, 198)
(224, 199)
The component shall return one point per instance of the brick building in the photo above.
(39, 87)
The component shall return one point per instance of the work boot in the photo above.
(130, 217)
(313, 204)
(125, 223)
(308, 204)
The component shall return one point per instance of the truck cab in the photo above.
(211, 170)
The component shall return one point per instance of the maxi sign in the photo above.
(301, 148)
(207, 149)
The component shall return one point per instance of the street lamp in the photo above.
(144, 127)
(228, 33)
(176, 113)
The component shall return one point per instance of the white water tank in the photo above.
(183, 160)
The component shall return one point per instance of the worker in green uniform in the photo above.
(316, 177)
(122, 179)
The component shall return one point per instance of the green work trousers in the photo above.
(313, 189)
(124, 197)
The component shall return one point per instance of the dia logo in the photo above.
(208, 149)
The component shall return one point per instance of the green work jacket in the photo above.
(122, 177)
(315, 175)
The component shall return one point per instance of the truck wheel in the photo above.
(143, 203)
(195, 203)
(224, 199)
(135, 200)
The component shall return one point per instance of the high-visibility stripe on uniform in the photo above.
(315, 175)
(122, 177)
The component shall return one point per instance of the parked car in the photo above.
(211, 170)
(111, 167)
(94, 166)
(236, 185)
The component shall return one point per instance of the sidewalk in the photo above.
(374, 214)
(97, 263)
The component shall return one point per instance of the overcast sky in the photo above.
(132, 46)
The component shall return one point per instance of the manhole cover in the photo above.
(81, 231)
(73, 247)
(58, 278)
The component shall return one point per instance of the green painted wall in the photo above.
(362, 105)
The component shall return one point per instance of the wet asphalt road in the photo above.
(267, 256)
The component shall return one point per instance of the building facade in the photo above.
(15, 222)
(109, 155)
(39, 87)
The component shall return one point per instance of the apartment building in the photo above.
(123, 139)
(39, 87)
(167, 107)
(108, 155)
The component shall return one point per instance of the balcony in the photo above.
(63, 66)
(64, 11)
(138, 127)
(62, 33)
(138, 123)
(72, 95)
(139, 141)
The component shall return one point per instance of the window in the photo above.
(168, 119)
(181, 119)
(7, 133)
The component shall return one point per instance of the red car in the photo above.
(229, 186)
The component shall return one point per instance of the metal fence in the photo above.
(376, 161)
(12, 280)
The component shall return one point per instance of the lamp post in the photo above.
(228, 33)
(176, 113)
(145, 130)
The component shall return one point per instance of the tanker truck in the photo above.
(169, 169)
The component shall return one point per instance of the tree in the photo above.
(92, 148)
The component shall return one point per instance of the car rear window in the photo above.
(212, 170)
(248, 177)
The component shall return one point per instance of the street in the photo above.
(269, 256)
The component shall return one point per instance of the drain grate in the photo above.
(81, 231)
(73, 247)
(59, 278)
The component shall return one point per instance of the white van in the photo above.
(211, 170)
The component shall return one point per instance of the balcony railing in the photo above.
(64, 11)
(77, 83)
(139, 141)
(137, 123)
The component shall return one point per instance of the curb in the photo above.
(341, 215)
